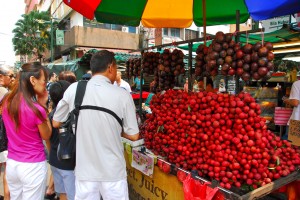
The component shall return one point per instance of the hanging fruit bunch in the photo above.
(170, 66)
(254, 61)
(262, 61)
(150, 62)
(133, 67)
(200, 65)
(220, 53)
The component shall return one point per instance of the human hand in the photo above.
(43, 98)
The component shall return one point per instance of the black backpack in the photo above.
(67, 138)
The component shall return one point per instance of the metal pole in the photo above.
(237, 39)
(190, 62)
(52, 40)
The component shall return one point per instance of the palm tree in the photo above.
(31, 35)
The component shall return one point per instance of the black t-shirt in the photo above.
(54, 140)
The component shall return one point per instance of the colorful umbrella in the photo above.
(179, 13)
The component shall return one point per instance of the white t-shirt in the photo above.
(99, 149)
(123, 85)
(295, 94)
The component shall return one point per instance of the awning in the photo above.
(120, 55)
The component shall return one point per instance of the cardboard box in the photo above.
(294, 132)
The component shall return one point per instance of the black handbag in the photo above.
(3, 137)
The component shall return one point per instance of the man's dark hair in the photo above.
(101, 60)
(51, 74)
(57, 91)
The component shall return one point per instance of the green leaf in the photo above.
(158, 128)
(189, 108)
(251, 188)
(277, 161)
(245, 187)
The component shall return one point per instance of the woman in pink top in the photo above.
(26, 122)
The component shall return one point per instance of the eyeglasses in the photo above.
(11, 75)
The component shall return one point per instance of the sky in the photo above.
(10, 13)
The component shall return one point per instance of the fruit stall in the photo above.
(203, 145)
(221, 140)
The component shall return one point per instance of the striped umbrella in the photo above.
(181, 13)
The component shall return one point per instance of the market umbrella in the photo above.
(180, 14)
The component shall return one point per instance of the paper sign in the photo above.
(142, 162)
(294, 132)
(60, 39)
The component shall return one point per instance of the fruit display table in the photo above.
(162, 186)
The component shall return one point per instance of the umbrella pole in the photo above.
(204, 20)
(237, 39)
(190, 66)
(141, 87)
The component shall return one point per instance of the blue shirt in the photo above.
(137, 82)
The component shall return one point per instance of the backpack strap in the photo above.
(80, 91)
(86, 107)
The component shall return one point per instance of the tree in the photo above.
(31, 35)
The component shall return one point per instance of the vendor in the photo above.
(146, 105)
(293, 101)
(137, 83)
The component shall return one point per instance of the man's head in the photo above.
(52, 77)
(119, 76)
(7, 76)
(104, 63)
(57, 90)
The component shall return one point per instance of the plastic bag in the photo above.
(194, 190)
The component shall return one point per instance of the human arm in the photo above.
(56, 124)
(63, 107)
(131, 137)
(294, 98)
(45, 129)
(130, 126)
(292, 102)
(48, 145)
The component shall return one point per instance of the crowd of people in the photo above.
(32, 123)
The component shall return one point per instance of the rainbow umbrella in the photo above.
(181, 13)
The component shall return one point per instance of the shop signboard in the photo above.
(275, 23)
(159, 186)
(60, 40)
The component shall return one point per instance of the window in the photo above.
(166, 30)
(175, 32)
(191, 34)
(116, 27)
(131, 29)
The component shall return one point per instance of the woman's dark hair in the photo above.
(101, 60)
(24, 89)
(57, 91)
(67, 76)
